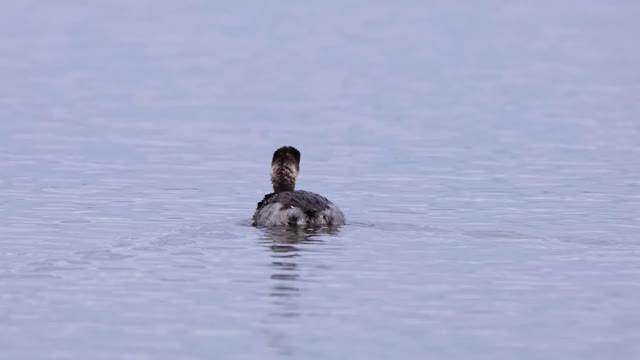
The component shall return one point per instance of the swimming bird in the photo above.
(288, 206)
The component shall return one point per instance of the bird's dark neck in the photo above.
(283, 177)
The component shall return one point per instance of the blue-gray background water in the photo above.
(485, 154)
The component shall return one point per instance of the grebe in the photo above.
(287, 206)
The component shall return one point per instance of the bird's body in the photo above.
(287, 206)
(297, 207)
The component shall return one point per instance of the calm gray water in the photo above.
(486, 156)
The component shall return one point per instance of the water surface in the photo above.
(484, 154)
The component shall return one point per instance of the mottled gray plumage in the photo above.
(287, 206)
(297, 208)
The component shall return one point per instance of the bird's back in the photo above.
(297, 207)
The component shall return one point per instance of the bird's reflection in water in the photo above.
(287, 247)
